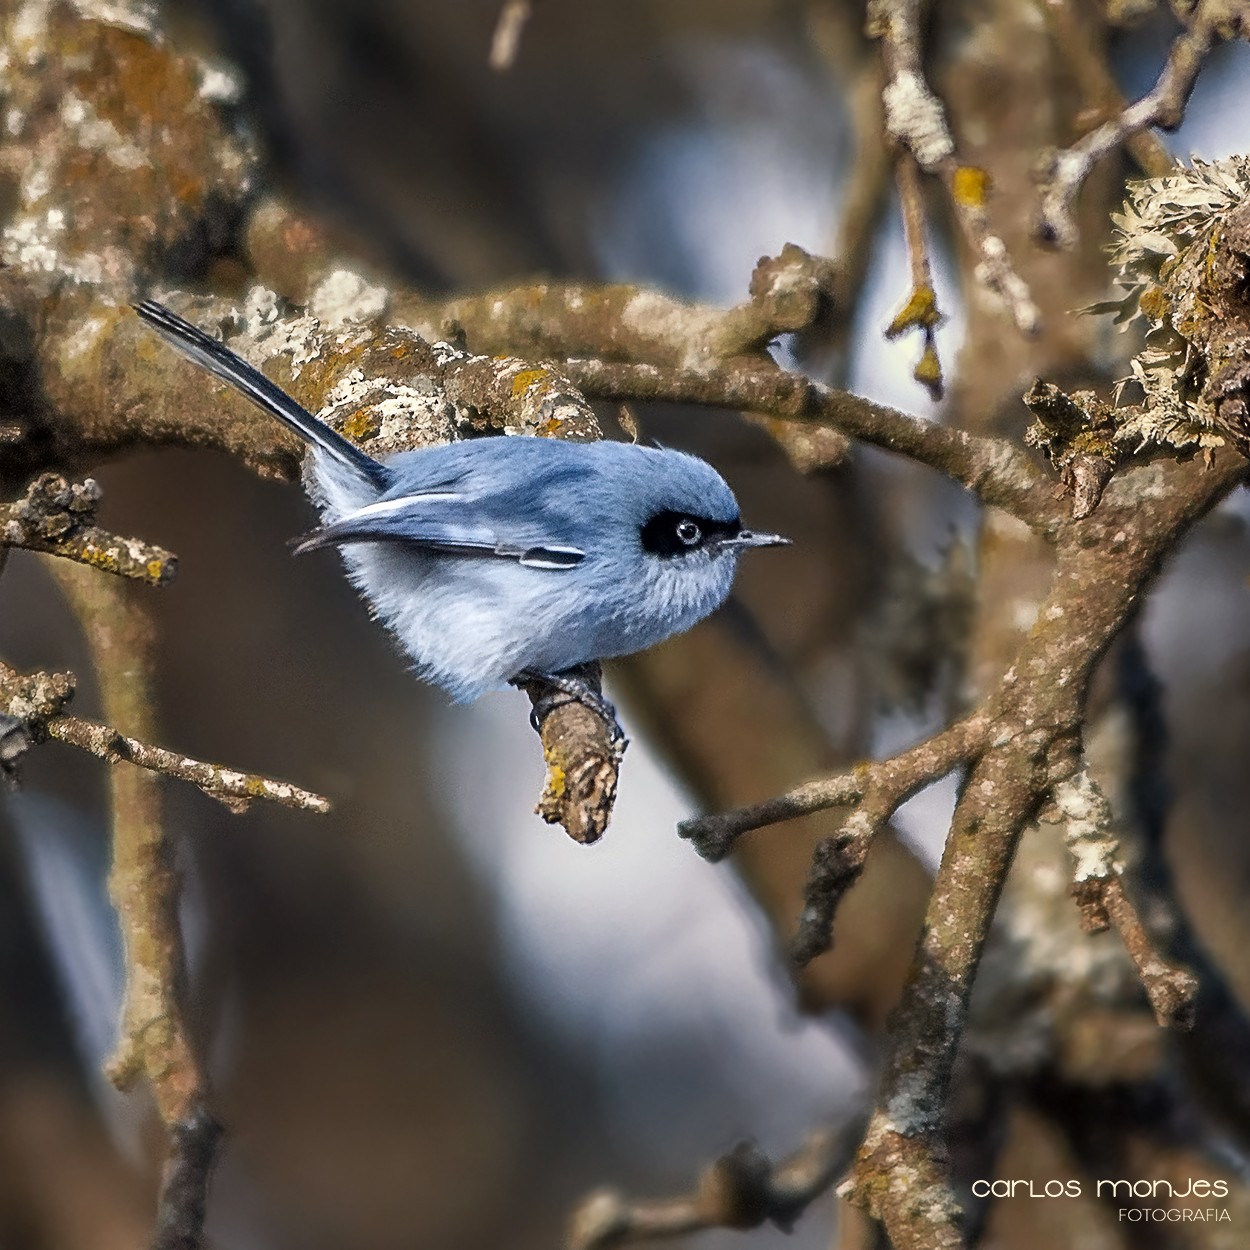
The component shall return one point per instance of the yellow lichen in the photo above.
(556, 782)
(525, 379)
(928, 371)
(970, 186)
(361, 425)
(155, 569)
(1154, 303)
(920, 310)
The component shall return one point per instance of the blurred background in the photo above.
(431, 1020)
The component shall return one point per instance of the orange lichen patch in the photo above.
(525, 379)
(970, 186)
(920, 310)
(552, 428)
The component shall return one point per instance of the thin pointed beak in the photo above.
(747, 538)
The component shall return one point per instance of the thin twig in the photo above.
(743, 1189)
(895, 780)
(1098, 887)
(1163, 106)
(916, 120)
(36, 701)
(921, 310)
(237, 790)
(1082, 50)
(57, 517)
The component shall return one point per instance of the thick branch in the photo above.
(583, 755)
(900, 1174)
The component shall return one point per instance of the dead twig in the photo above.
(57, 517)
(743, 1189)
(1162, 106)
(920, 312)
(916, 120)
(1098, 887)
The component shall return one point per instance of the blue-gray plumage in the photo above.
(494, 558)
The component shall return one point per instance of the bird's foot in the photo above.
(570, 686)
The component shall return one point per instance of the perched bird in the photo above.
(503, 559)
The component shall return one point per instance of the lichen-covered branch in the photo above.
(583, 756)
(792, 292)
(916, 120)
(37, 701)
(57, 517)
(996, 470)
(901, 1172)
(1098, 887)
(1080, 47)
(742, 1190)
(920, 311)
(1162, 106)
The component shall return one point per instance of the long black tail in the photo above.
(218, 359)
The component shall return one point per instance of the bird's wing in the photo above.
(447, 521)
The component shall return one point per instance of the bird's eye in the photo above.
(688, 532)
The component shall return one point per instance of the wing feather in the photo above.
(446, 523)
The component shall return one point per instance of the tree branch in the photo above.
(916, 120)
(58, 518)
(1163, 106)
(37, 701)
(997, 471)
(743, 1189)
(1098, 887)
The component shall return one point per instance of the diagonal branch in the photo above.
(994, 469)
(884, 785)
(1162, 106)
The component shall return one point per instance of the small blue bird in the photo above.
(502, 559)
